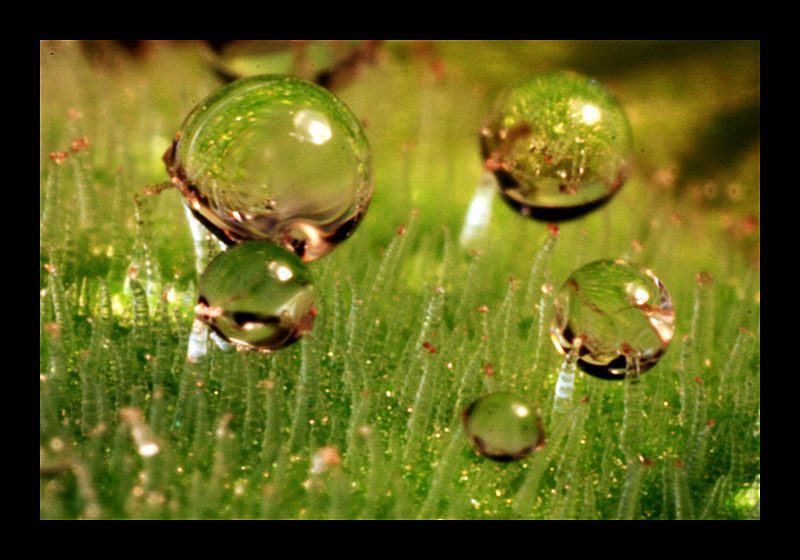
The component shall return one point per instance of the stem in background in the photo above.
(475, 231)
(562, 401)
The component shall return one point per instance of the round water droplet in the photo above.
(257, 295)
(619, 316)
(276, 158)
(559, 145)
(503, 426)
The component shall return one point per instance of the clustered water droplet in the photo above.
(274, 158)
(616, 315)
(279, 169)
(258, 296)
(503, 426)
(559, 145)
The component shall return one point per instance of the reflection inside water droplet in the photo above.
(620, 314)
(276, 158)
(257, 295)
(559, 145)
(312, 127)
(503, 426)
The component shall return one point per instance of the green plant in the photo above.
(362, 417)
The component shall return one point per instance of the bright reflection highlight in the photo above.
(590, 114)
(638, 293)
(281, 272)
(148, 449)
(311, 126)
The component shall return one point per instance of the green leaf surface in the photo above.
(361, 419)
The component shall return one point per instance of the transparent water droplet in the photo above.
(275, 158)
(618, 313)
(559, 145)
(257, 295)
(503, 426)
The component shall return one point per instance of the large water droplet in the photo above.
(559, 145)
(275, 158)
(619, 316)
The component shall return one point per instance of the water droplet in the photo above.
(257, 295)
(559, 145)
(618, 313)
(275, 158)
(503, 426)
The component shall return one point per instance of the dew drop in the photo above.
(559, 145)
(503, 426)
(257, 295)
(620, 314)
(297, 171)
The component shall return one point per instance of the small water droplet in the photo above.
(257, 295)
(503, 426)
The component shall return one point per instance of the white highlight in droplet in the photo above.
(280, 271)
(311, 126)
(590, 114)
(521, 411)
(637, 292)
